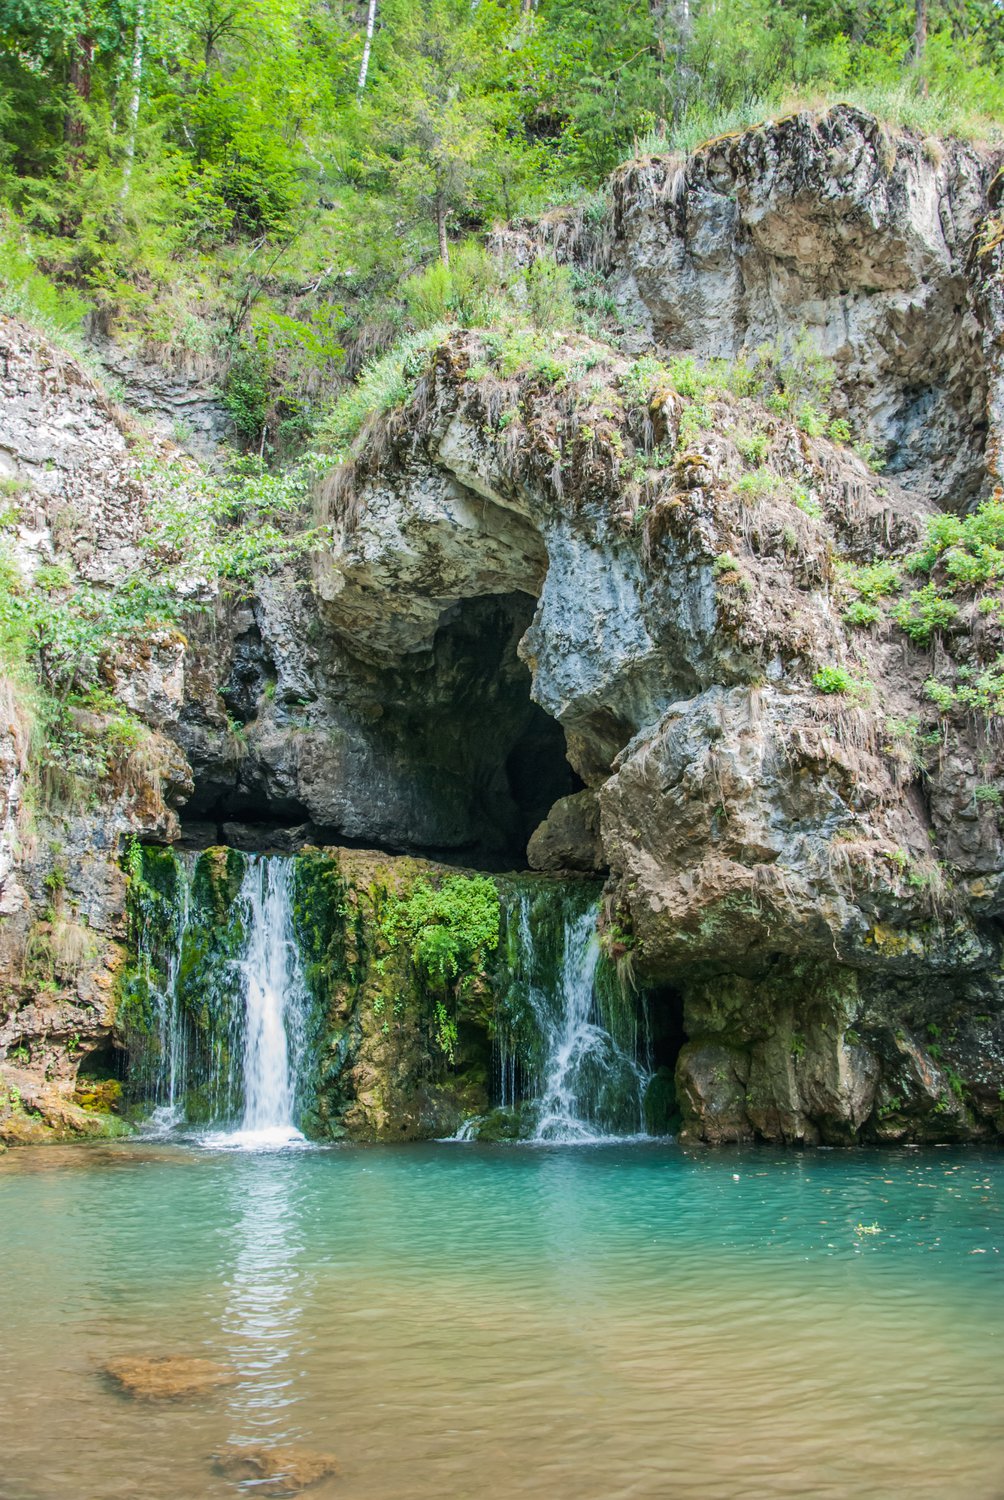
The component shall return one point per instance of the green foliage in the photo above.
(384, 384)
(725, 565)
(923, 613)
(549, 294)
(25, 292)
(966, 551)
(939, 694)
(449, 930)
(873, 580)
(862, 614)
(831, 679)
(245, 393)
(452, 928)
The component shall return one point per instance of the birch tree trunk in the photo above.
(364, 66)
(132, 120)
(444, 244)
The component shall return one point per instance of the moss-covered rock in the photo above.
(395, 952)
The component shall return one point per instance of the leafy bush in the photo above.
(924, 612)
(970, 547)
(861, 613)
(939, 694)
(246, 393)
(26, 293)
(873, 580)
(549, 294)
(450, 929)
(834, 680)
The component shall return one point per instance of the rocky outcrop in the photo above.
(611, 608)
(75, 499)
(832, 224)
(814, 874)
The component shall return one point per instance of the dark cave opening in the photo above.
(103, 1062)
(442, 754)
(666, 1037)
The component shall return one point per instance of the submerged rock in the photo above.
(167, 1377)
(274, 1470)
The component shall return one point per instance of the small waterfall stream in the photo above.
(569, 1045)
(238, 1069)
(275, 1000)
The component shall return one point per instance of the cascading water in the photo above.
(171, 1032)
(568, 1035)
(275, 1004)
(228, 1001)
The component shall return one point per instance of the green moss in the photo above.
(662, 1111)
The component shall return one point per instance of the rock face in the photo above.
(814, 879)
(615, 608)
(77, 503)
(830, 224)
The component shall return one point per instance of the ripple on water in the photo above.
(629, 1321)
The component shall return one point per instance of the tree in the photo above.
(444, 135)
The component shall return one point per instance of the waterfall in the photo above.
(227, 999)
(275, 1003)
(171, 1033)
(569, 1037)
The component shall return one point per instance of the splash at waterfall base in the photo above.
(347, 994)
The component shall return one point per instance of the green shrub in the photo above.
(834, 680)
(246, 392)
(428, 295)
(642, 378)
(549, 294)
(971, 547)
(939, 694)
(923, 613)
(982, 692)
(806, 502)
(760, 482)
(861, 613)
(28, 294)
(873, 580)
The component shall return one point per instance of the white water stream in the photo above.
(275, 1000)
(587, 1087)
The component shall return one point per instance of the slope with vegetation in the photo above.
(226, 186)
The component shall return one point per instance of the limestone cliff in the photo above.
(814, 872)
(647, 607)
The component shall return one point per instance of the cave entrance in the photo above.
(480, 748)
(441, 754)
(666, 1037)
(104, 1062)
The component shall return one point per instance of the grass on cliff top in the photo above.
(899, 107)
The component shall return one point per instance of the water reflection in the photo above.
(266, 1290)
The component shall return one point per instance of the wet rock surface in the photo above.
(168, 1377)
(279, 1470)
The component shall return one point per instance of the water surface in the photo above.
(460, 1321)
